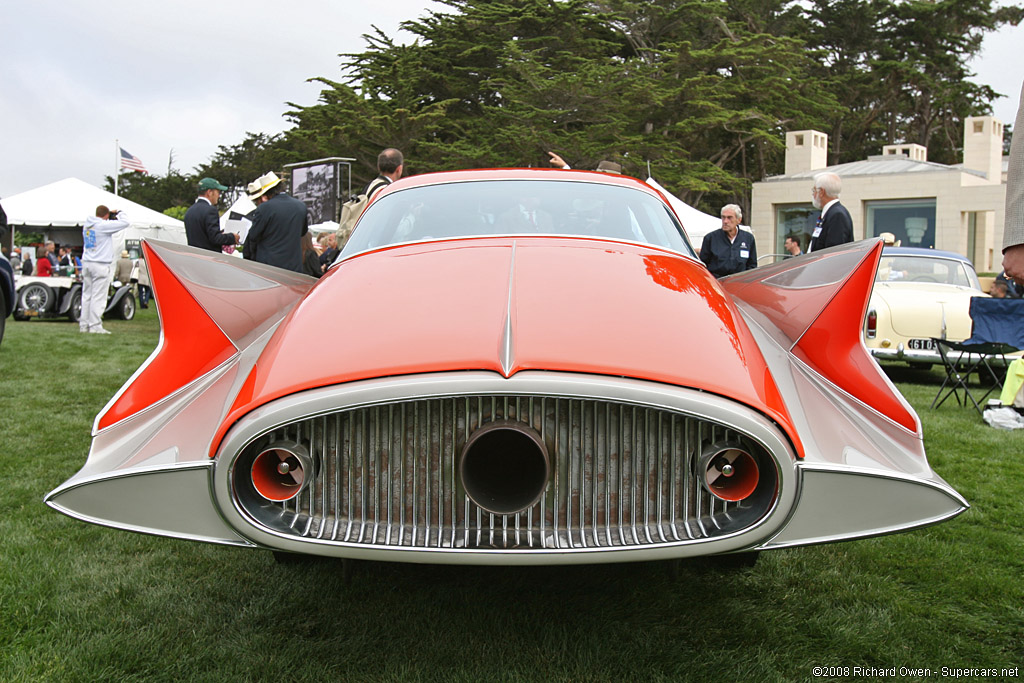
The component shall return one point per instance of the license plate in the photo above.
(921, 344)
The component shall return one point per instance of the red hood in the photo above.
(510, 304)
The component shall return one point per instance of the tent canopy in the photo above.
(67, 203)
(695, 222)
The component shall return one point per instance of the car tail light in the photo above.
(872, 328)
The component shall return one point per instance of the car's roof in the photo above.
(917, 251)
(519, 174)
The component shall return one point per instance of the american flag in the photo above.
(131, 162)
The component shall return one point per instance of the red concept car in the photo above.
(510, 367)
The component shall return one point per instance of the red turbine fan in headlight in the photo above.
(729, 473)
(281, 471)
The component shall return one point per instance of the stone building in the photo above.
(955, 208)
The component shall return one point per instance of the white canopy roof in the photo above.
(67, 203)
(326, 226)
(696, 222)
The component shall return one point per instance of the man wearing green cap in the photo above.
(202, 222)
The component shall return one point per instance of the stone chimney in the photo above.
(912, 151)
(806, 150)
(983, 146)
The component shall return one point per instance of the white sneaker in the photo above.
(98, 330)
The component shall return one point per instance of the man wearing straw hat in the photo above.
(278, 225)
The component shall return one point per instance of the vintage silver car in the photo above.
(59, 296)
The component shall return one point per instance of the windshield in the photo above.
(517, 207)
(926, 269)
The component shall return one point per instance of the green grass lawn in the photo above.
(84, 603)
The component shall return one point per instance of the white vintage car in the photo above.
(919, 295)
(58, 296)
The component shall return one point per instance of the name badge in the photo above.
(817, 232)
(744, 253)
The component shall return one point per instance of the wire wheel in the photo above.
(36, 297)
(126, 307)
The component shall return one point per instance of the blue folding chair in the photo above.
(997, 329)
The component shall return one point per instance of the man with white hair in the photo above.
(729, 250)
(834, 224)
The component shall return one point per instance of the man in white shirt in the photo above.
(97, 257)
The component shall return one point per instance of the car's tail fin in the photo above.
(818, 302)
(210, 305)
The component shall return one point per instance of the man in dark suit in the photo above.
(278, 225)
(202, 222)
(834, 225)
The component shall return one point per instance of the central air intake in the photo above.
(504, 467)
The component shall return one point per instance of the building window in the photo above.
(794, 220)
(912, 221)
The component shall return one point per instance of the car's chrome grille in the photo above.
(622, 475)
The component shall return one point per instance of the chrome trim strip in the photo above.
(75, 483)
(507, 352)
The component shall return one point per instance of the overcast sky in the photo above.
(188, 76)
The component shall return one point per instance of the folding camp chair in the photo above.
(997, 330)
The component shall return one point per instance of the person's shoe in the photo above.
(99, 330)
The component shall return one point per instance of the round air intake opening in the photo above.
(504, 467)
(729, 472)
(281, 471)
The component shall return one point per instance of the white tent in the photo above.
(696, 222)
(326, 226)
(59, 210)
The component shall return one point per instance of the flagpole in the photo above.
(117, 158)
